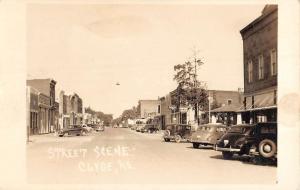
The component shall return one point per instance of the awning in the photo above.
(226, 108)
(261, 108)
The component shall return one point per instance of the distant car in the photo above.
(207, 134)
(260, 139)
(100, 128)
(73, 130)
(177, 132)
(139, 127)
(88, 128)
(150, 128)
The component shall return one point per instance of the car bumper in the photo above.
(227, 149)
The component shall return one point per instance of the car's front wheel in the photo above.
(267, 148)
(196, 145)
(177, 139)
(227, 155)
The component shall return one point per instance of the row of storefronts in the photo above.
(44, 113)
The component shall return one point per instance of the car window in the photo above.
(239, 129)
(267, 129)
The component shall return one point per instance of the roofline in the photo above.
(257, 20)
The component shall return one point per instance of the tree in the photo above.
(189, 91)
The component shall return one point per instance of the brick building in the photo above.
(260, 67)
(46, 102)
(223, 107)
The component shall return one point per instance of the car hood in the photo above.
(231, 138)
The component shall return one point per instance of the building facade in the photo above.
(148, 108)
(260, 67)
(46, 102)
(33, 123)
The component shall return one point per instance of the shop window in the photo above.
(229, 101)
(273, 62)
(260, 67)
(250, 71)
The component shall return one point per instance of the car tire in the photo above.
(167, 132)
(227, 155)
(177, 139)
(196, 145)
(267, 148)
(167, 140)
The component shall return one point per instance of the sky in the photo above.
(88, 48)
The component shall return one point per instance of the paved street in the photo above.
(120, 155)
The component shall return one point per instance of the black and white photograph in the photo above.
(152, 93)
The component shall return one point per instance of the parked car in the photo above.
(99, 128)
(150, 128)
(265, 141)
(177, 132)
(73, 130)
(139, 125)
(248, 139)
(207, 134)
(88, 128)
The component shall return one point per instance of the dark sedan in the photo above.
(150, 128)
(73, 130)
(244, 139)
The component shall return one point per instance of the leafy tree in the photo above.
(189, 91)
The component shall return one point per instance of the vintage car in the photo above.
(150, 128)
(139, 125)
(265, 141)
(177, 132)
(244, 139)
(99, 128)
(87, 127)
(207, 134)
(73, 130)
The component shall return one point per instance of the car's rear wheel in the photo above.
(177, 138)
(267, 148)
(196, 145)
(167, 140)
(227, 155)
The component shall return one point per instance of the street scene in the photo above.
(135, 94)
(123, 156)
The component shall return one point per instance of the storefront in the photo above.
(44, 114)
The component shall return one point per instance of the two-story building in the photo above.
(260, 67)
(46, 102)
(148, 108)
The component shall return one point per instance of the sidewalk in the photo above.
(53, 137)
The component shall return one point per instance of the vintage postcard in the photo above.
(142, 94)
